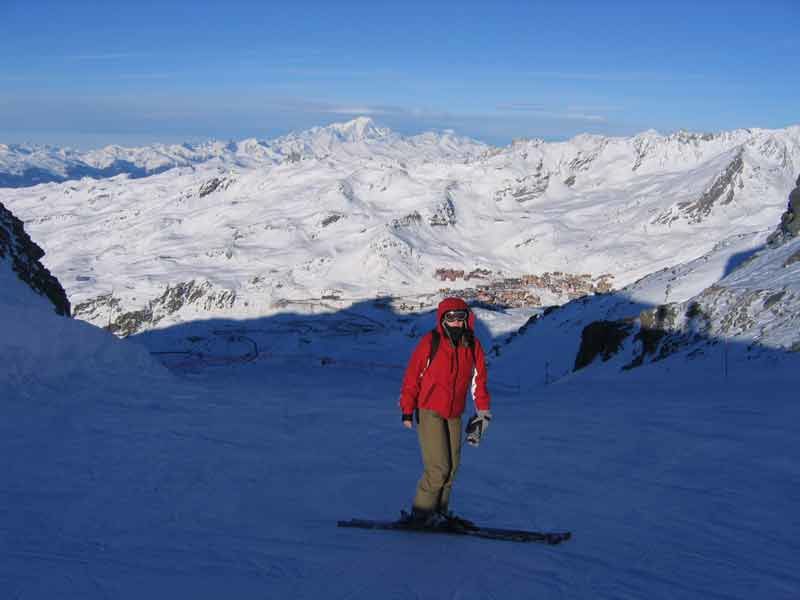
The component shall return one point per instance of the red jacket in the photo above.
(442, 386)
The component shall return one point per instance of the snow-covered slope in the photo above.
(40, 346)
(756, 306)
(741, 299)
(550, 342)
(230, 485)
(354, 211)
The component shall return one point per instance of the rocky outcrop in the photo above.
(656, 334)
(601, 338)
(331, 219)
(790, 220)
(445, 212)
(215, 184)
(408, 220)
(106, 310)
(17, 247)
(756, 307)
(721, 192)
(756, 317)
(527, 188)
(665, 329)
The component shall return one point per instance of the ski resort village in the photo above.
(380, 352)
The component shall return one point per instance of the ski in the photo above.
(462, 527)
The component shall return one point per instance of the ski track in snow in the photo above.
(228, 481)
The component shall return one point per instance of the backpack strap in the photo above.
(435, 340)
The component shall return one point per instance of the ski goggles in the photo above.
(451, 316)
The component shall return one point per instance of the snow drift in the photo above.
(40, 344)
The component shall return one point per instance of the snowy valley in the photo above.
(352, 212)
(639, 300)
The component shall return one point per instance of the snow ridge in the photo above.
(40, 345)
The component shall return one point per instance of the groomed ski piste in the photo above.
(123, 479)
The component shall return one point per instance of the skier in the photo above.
(444, 364)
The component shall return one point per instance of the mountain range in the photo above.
(23, 165)
(352, 211)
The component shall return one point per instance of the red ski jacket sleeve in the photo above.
(412, 381)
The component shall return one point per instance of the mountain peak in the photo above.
(360, 128)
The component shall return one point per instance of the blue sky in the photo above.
(87, 74)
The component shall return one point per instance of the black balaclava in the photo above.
(455, 333)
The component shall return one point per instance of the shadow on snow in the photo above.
(371, 334)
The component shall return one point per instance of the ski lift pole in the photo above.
(725, 358)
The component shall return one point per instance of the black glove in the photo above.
(476, 425)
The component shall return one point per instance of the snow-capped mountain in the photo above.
(352, 211)
(22, 165)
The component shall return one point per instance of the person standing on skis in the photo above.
(446, 363)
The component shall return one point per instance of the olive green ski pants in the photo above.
(440, 442)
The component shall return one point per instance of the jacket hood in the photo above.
(454, 304)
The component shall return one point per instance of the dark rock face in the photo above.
(601, 338)
(774, 299)
(661, 335)
(528, 187)
(174, 298)
(24, 257)
(444, 215)
(655, 324)
(408, 220)
(216, 184)
(658, 334)
(792, 259)
(720, 192)
(331, 219)
(790, 220)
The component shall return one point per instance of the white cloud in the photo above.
(610, 76)
(105, 56)
(539, 110)
(355, 110)
(144, 76)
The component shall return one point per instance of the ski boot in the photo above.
(453, 521)
(423, 519)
